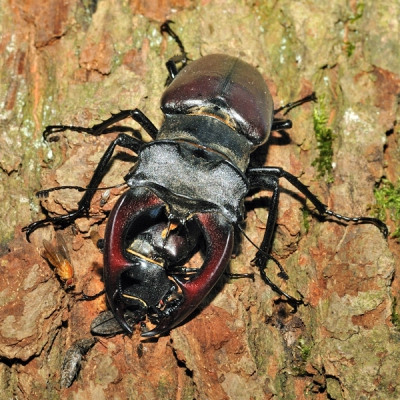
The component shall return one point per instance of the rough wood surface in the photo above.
(75, 62)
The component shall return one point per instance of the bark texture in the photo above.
(75, 62)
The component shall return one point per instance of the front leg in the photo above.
(122, 140)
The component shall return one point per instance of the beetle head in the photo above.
(138, 270)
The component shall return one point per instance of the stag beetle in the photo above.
(187, 190)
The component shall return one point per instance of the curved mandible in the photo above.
(218, 233)
(130, 206)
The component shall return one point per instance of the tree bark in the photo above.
(76, 62)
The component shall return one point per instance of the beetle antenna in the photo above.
(44, 194)
(283, 275)
(292, 300)
(289, 106)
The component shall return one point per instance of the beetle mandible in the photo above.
(187, 190)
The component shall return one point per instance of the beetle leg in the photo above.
(268, 182)
(267, 178)
(218, 234)
(44, 194)
(280, 124)
(122, 140)
(102, 128)
(289, 106)
(181, 59)
(256, 174)
(86, 297)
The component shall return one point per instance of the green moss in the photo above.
(350, 47)
(395, 315)
(359, 12)
(387, 197)
(324, 136)
(305, 349)
(301, 352)
(353, 17)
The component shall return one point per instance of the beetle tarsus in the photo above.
(165, 27)
(44, 194)
(86, 297)
(177, 63)
(361, 220)
(62, 221)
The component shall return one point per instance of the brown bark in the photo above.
(74, 63)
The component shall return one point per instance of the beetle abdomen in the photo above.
(227, 88)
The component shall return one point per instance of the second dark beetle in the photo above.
(187, 191)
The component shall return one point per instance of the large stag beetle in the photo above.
(186, 192)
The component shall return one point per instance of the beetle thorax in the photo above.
(190, 178)
(209, 133)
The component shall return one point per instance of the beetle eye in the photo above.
(199, 153)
